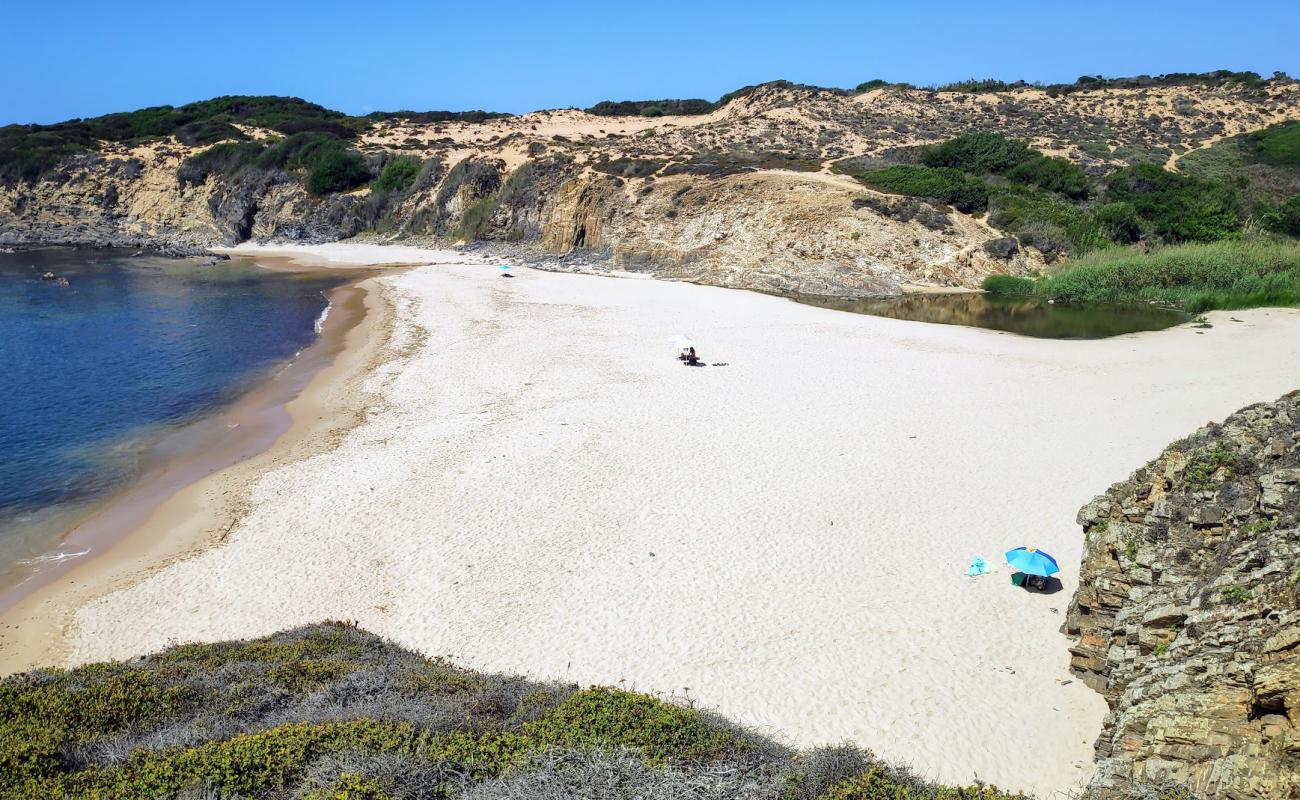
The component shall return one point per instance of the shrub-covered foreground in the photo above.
(331, 712)
(1195, 277)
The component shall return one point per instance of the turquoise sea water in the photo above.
(133, 346)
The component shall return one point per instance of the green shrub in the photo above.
(610, 717)
(650, 108)
(1053, 174)
(398, 175)
(1204, 464)
(866, 86)
(945, 184)
(337, 171)
(226, 158)
(1007, 285)
(1045, 221)
(1286, 218)
(974, 86)
(979, 153)
(1119, 222)
(1235, 594)
(1178, 208)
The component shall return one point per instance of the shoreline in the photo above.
(185, 502)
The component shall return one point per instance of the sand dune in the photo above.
(540, 487)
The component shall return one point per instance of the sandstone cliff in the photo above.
(1187, 617)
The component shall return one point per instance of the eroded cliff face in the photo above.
(770, 230)
(1187, 618)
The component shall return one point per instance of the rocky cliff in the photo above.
(1187, 617)
(753, 194)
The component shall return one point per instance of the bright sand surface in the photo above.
(539, 487)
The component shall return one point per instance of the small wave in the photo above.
(52, 558)
(324, 313)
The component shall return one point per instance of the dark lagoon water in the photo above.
(133, 347)
(1025, 317)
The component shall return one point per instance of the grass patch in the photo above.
(1279, 144)
(1008, 286)
(1195, 277)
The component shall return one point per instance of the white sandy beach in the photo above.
(540, 487)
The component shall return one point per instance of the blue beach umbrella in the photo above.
(1032, 562)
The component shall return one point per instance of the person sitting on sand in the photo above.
(692, 359)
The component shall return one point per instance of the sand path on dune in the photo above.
(541, 488)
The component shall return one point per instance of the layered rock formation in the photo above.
(1187, 617)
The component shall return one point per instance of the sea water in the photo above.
(92, 373)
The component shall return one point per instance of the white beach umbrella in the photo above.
(683, 342)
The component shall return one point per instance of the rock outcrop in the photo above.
(1187, 617)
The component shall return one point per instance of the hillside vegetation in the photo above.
(329, 712)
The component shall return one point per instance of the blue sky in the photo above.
(82, 59)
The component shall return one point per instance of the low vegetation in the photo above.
(944, 184)
(423, 117)
(29, 151)
(1194, 277)
(331, 712)
(325, 162)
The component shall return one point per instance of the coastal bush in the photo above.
(1177, 208)
(336, 170)
(425, 117)
(657, 730)
(226, 158)
(1286, 217)
(979, 153)
(1196, 277)
(1045, 221)
(1007, 285)
(1119, 222)
(973, 86)
(398, 175)
(945, 184)
(1053, 174)
(650, 108)
(866, 86)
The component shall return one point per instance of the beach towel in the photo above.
(977, 567)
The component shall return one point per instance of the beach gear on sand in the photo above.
(1018, 578)
(1032, 561)
(977, 567)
